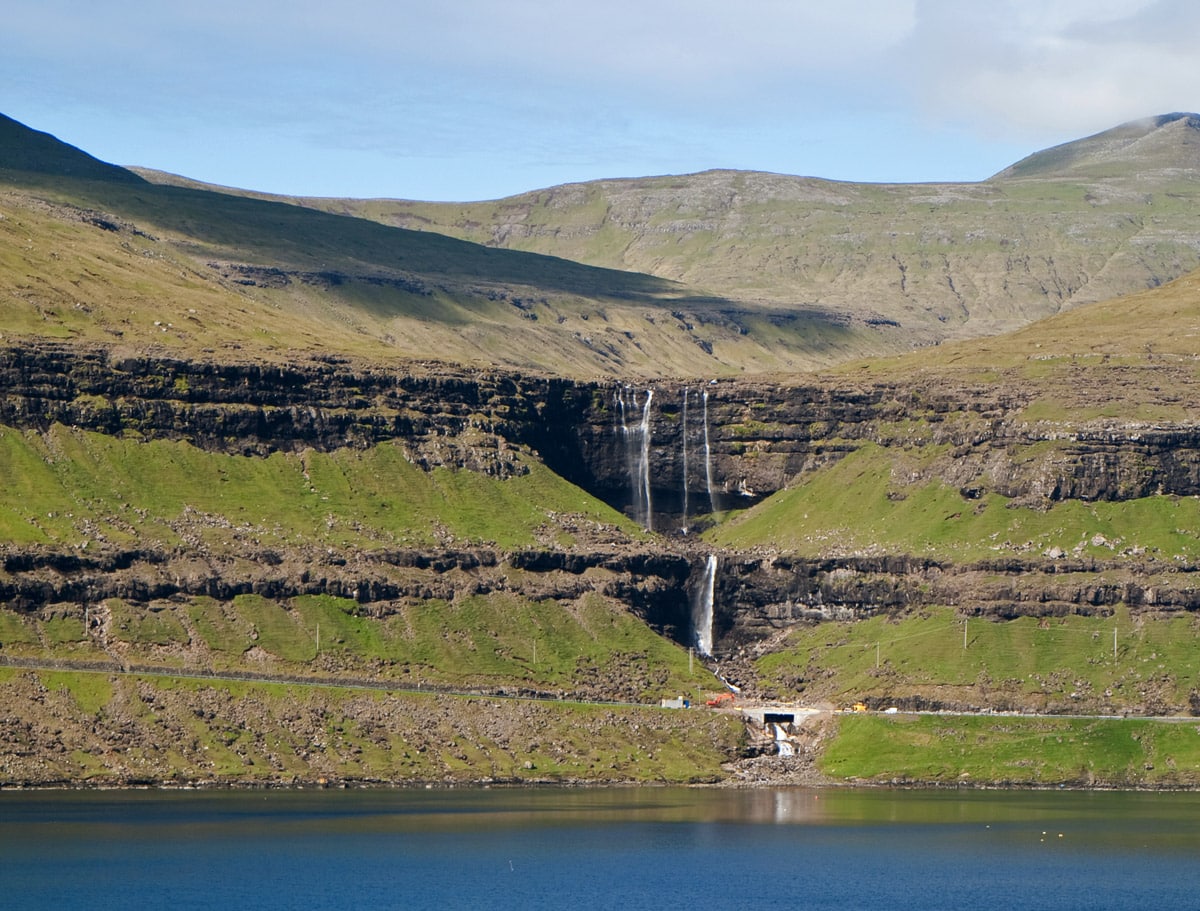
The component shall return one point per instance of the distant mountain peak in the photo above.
(25, 149)
(1162, 143)
(1190, 120)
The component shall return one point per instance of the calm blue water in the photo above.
(598, 849)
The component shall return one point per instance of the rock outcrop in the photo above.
(739, 441)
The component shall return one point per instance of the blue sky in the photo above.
(474, 99)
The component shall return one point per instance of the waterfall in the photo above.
(782, 745)
(644, 462)
(637, 445)
(684, 524)
(702, 608)
(712, 500)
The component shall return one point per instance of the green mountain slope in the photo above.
(1118, 369)
(24, 149)
(925, 508)
(1087, 221)
(92, 251)
(1155, 146)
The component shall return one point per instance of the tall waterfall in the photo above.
(684, 524)
(702, 608)
(637, 443)
(712, 500)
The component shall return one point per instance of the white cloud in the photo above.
(577, 87)
(1067, 67)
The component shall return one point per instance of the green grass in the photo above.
(91, 692)
(1063, 664)
(16, 629)
(1044, 751)
(220, 632)
(494, 641)
(277, 629)
(145, 625)
(63, 631)
(192, 731)
(865, 504)
(547, 644)
(67, 485)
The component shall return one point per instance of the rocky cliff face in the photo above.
(669, 455)
(751, 439)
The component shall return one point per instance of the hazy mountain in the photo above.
(1156, 146)
(89, 250)
(702, 274)
(1085, 221)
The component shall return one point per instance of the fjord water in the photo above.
(649, 848)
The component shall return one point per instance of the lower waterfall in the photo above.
(702, 608)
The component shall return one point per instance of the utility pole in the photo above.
(1114, 643)
(318, 638)
(964, 634)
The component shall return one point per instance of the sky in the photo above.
(478, 99)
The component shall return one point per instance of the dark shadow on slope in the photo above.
(269, 233)
(23, 149)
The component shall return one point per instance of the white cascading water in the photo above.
(644, 462)
(684, 525)
(637, 443)
(712, 501)
(782, 745)
(702, 608)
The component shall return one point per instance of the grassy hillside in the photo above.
(1125, 366)
(91, 251)
(699, 275)
(264, 521)
(1071, 665)
(1129, 362)
(67, 487)
(1084, 222)
(495, 642)
(1156, 329)
(268, 563)
(88, 728)
(1020, 751)
(1154, 143)
(877, 500)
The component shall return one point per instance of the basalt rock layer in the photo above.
(738, 441)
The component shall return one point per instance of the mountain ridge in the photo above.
(711, 273)
(949, 260)
(1173, 141)
(26, 149)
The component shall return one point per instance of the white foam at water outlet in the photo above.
(782, 745)
(702, 607)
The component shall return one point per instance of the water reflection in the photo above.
(449, 810)
(619, 848)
